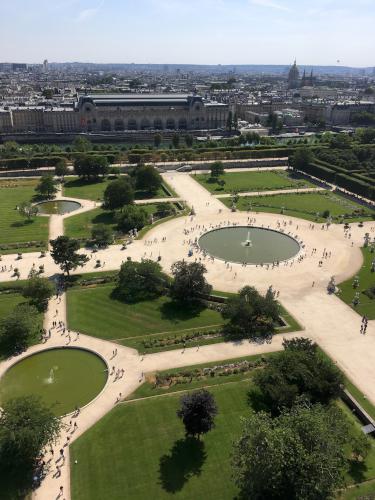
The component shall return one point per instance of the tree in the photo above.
(189, 140)
(175, 140)
(64, 254)
(299, 455)
(26, 427)
(274, 122)
(250, 314)
(81, 144)
(91, 167)
(46, 186)
(298, 370)
(102, 235)
(148, 179)
(217, 169)
(38, 290)
(189, 282)
(301, 158)
(61, 169)
(118, 194)
(157, 140)
(143, 280)
(27, 209)
(132, 217)
(197, 412)
(18, 329)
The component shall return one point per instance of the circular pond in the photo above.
(250, 245)
(63, 377)
(59, 207)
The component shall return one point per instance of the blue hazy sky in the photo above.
(189, 31)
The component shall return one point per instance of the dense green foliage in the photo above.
(189, 282)
(26, 428)
(147, 179)
(102, 235)
(38, 290)
(46, 187)
(197, 411)
(249, 314)
(132, 217)
(118, 194)
(143, 280)
(299, 456)
(18, 329)
(91, 167)
(299, 370)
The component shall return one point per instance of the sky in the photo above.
(318, 32)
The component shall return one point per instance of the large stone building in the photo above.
(118, 113)
(293, 77)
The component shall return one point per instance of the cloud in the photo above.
(87, 13)
(271, 5)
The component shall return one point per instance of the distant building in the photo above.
(119, 113)
(45, 66)
(293, 77)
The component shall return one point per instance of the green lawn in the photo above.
(254, 181)
(79, 188)
(80, 226)
(140, 448)
(14, 228)
(95, 312)
(304, 205)
(366, 279)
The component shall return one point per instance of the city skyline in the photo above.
(197, 32)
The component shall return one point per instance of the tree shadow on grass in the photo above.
(184, 460)
(357, 471)
(82, 182)
(104, 218)
(22, 223)
(176, 311)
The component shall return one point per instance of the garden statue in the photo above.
(331, 288)
(356, 299)
(356, 282)
(367, 240)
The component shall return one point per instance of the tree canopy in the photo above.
(132, 217)
(64, 253)
(189, 282)
(47, 186)
(147, 179)
(118, 194)
(38, 290)
(298, 370)
(141, 281)
(197, 411)
(217, 169)
(250, 314)
(26, 427)
(61, 168)
(18, 329)
(301, 157)
(102, 235)
(91, 167)
(298, 455)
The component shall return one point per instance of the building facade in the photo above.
(118, 113)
